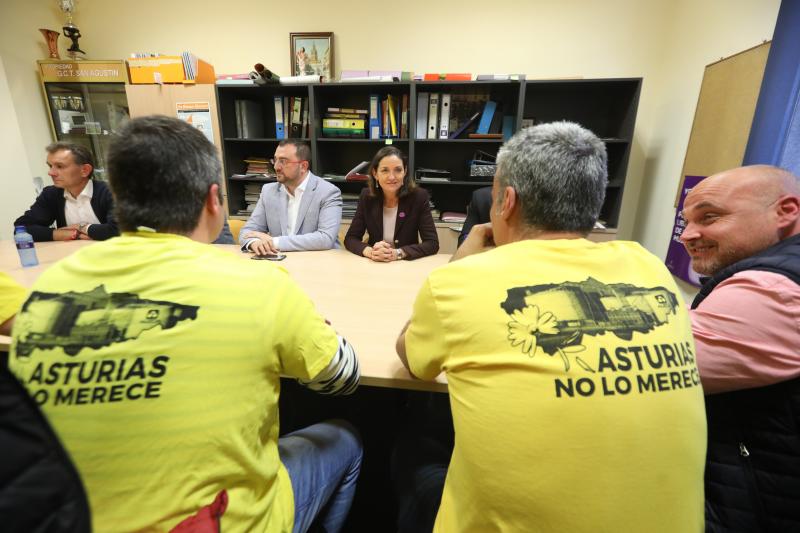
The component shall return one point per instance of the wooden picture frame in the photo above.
(312, 54)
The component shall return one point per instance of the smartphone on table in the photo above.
(269, 257)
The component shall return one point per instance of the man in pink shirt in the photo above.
(743, 230)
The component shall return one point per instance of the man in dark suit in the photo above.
(80, 206)
(477, 212)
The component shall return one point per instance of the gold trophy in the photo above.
(70, 30)
(52, 42)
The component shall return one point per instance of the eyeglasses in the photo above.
(282, 161)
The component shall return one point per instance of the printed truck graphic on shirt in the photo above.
(553, 318)
(76, 320)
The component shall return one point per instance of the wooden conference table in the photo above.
(368, 303)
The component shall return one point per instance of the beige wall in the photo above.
(667, 42)
(15, 179)
(24, 127)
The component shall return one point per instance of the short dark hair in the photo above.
(559, 172)
(160, 170)
(387, 151)
(80, 154)
(303, 150)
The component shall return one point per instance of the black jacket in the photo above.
(753, 460)
(40, 489)
(49, 208)
(414, 221)
(477, 212)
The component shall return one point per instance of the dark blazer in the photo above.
(414, 221)
(49, 207)
(477, 212)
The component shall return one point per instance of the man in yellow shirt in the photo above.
(13, 295)
(576, 401)
(157, 359)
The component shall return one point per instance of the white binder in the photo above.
(421, 131)
(444, 117)
(433, 115)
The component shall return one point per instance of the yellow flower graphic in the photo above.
(526, 324)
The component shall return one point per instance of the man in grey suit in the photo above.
(299, 212)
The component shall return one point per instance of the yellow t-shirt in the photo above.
(157, 360)
(11, 297)
(576, 399)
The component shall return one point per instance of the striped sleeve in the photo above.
(341, 375)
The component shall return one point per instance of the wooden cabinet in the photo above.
(145, 99)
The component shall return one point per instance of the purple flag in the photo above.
(678, 261)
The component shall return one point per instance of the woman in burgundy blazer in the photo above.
(392, 196)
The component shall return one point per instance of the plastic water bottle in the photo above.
(27, 253)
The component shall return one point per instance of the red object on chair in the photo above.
(207, 519)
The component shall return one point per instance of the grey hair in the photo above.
(559, 172)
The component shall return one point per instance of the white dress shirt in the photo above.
(291, 216)
(78, 210)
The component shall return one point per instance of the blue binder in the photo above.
(280, 128)
(374, 116)
(486, 117)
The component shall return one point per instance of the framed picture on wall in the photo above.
(312, 54)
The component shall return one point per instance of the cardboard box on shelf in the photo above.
(167, 69)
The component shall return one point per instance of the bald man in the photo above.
(743, 231)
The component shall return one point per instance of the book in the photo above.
(464, 105)
(347, 110)
(345, 115)
(508, 127)
(355, 173)
(402, 75)
(485, 135)
(351, 133)
(466, 125)
(233, 82)
(305, 121)
(370, 79)
(385, 117)
(486, 117)
(346, 123)
(404, 117)
(500, 77)
(353, 74)
(496, 126)
(432, 174)
(294, 80)
(392, 118)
